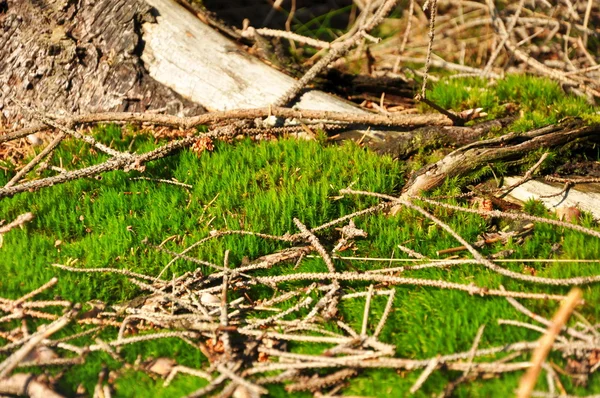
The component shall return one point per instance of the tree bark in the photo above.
(506, 147)
(79, 56)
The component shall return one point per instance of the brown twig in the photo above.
(529, 379)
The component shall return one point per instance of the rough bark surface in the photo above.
(510, 146)
(75, 56)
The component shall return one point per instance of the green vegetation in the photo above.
(261, 187)
(541, 100)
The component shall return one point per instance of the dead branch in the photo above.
(395, 120)
(26, 384)
(529, 379)
(472, 156)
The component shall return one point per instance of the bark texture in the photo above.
(76, 56)
(506, 147)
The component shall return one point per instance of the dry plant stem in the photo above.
(105, 270)
(482, 260)
(240, 380)
(184, 369)
(370, 210)
(529, 326)
(433, 11)
(394, 280)
(22, 384)
(411, 10)
(316, 383)
(17, 222)
(286, 35)
(433, 363)
(5, 303)
(46, 331)
(528, 175)
(391, 120)
(39, 157)
(172, 298)
(441, 63)
(359, 361)
(177, 183)
(513, 216)
(452, 361)
(570, 331)
(586, 20)
(224, 319)
(263, 322)
(411, 252)
(115, 163)
(314, 241)
(363, 330)
(529, 379)
(590, 180)
(144, 337)
(386, 313)
(511, 26)
(287, 375)
(337, 50)
(452, 386)
(35, 292)
(532, 62)
(209, 388)
(66, 129)
(53, 362)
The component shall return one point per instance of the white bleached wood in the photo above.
(193, 59)
(588, 201)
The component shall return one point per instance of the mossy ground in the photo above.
(261, 187)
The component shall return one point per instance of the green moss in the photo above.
(541, 101)
(261, 187)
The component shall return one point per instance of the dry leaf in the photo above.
(162, 366)
(568, 213)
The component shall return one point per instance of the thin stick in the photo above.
(528, 175)
(349, 276)
(29, 166)
(337, 50)
(506, 36)
(224, 319)
(17, 222)
(35, 292)
(240, 380)
(521, 308)
(363, 330)
(433, 363)
(482, 260)
(46, 331)
(529, 379)
(180, 184)
(386, 313)
(105, 270)
(314, 241)
(429, 48)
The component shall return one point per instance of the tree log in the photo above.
(78, 57)
(510, 146)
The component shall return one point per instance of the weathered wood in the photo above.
(133, 55)
(538, 190)
(79, 56)
(212, 70)
(510, 146)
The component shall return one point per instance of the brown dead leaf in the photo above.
(161, 366)
(202, 144)
(568, 213)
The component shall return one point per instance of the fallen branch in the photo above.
(529, 379)
(472, 156)
(23, 384)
